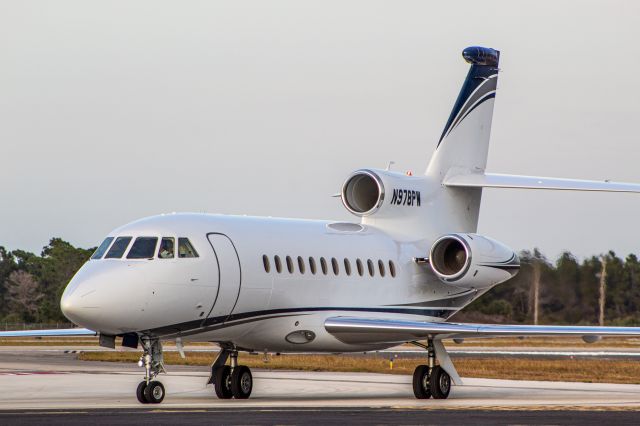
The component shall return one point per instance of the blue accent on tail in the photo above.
(484, 65)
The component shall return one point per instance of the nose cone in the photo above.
(71, 308)
(103, 296)
(80, 300)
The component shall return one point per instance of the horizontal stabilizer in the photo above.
(385, 330)
(56, 332)
(495, 180)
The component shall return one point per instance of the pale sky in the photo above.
(111, 111)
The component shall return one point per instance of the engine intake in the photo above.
(450, 257)
(472, 261)
(363, 193)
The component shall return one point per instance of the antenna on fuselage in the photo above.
(391, 163)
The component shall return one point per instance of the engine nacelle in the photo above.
(472, 261)
(383, 193)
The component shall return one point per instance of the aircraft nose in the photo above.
(81, 304)
(69, 306)
(94, 297)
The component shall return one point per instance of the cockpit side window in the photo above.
(143, 248)
(185, 249)
(167, 248)
(102, 249)
(118, 248)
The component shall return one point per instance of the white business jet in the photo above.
(286, 285)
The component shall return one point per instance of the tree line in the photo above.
(600, 289)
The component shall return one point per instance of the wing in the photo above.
(495, 180)
(373, 331)
(59, 332)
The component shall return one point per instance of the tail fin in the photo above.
(464, 143)
(465, 139)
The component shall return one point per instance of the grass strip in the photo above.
(574, 370)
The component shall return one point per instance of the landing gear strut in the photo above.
(432, 380)
(151, 391)
(230, 381)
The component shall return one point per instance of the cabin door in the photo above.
(229, 277)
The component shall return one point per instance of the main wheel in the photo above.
(223, 382)
(421, 382)
(154, 392)
(439, 383)
(140, 392)
(241, 382)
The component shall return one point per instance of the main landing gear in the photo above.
(151, 391)
(432, 380)
(230, 381)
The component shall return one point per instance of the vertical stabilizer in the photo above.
(464, 143)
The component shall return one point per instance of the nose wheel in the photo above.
(151, 391)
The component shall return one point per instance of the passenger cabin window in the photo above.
(301, 264)
(335, 266)
(347, 266)
(265, 262)
(143, 248)
(323, 265)
(167, 248)
(118, 248)
(312, 265)
(359, 267)
(102, 249)
(278, 263)
(289, 264)
(185, 249)
(392, 269)
(381, 267)
(370, 267)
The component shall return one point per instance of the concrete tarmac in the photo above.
(45, 380)
(33, 381)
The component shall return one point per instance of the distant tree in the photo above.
(57, 265)
(7, 265)
(23, 295)
(589, 285)
(53, 270)
(565, 296)
(617, 288)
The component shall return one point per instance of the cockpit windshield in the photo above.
(167, 248)
(118, 248)
(102, 249)
(185, 249)
(143, 248)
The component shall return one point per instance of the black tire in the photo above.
(241, 382)
(439, 383)
(421, 382)
(223, 382)
(154, 392)
(140, 393)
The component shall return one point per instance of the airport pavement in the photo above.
(36, 381)
(315, 416)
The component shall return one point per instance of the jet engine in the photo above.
(472, 261)
(382, 192)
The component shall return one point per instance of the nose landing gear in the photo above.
(151, 391)
(234, 381)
